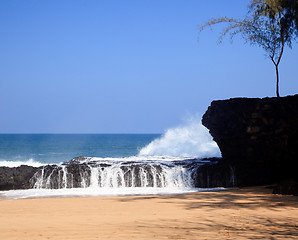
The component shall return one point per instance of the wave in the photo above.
(29, 162)
(190, 140)
(138, 158)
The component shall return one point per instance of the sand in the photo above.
(249, 213)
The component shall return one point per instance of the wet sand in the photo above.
(249, 213)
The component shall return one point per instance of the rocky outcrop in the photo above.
(215, 174)
(16, 177)
(286, 187)
(258, 138)
(84, 172)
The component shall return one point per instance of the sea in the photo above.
(39, 149)
(134, 164)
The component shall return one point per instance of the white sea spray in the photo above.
(190, 140)
(29, 162)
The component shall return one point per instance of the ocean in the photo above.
(112, 164)
(38, 149)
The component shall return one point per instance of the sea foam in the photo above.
(189, 140)
(161, 167)
(29, 162)
(100, 192)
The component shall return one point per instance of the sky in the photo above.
(93, 66)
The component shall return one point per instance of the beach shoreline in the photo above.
(246, 213)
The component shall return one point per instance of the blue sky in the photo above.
(73, 66)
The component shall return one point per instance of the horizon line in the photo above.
(85, 133)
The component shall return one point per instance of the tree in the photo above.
(271, 24)
(290, 8)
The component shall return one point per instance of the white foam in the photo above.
(190, 140)
(96, 192)
(29, 162)
(137, 159)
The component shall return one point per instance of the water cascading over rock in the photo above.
(85, 172)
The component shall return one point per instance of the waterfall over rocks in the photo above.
(84, 172)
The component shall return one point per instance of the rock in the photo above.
(218, 174)
(16, 177)
(76, 160)
(65, 176)
(287, 187)
(258, 138)
(75, 174)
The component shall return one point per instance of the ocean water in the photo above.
(116, 164)
(37, 149)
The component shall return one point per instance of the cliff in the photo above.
(258, 138)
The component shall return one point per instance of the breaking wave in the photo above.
(190, 140)
(30, 162)
(167, 165)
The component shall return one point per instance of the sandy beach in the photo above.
(249, 213)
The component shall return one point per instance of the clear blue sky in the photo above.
(92, 66)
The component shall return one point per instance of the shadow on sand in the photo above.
(252, 213)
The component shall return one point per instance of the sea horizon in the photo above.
(81, 133)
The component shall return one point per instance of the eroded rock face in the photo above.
(85, 172)
(257, 137)
(217, 174)
(16, 177)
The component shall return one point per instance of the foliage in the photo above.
(290, 8)
(271, 24)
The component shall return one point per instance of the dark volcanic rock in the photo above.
(257, 137)
(286, 187)
(219, 174)
(16, 177)
(76, 160)
(55, 177)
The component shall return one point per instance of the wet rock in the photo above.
(16, 177)
(218, 174)
(77, 173)
(66, 176)
(76, 160)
